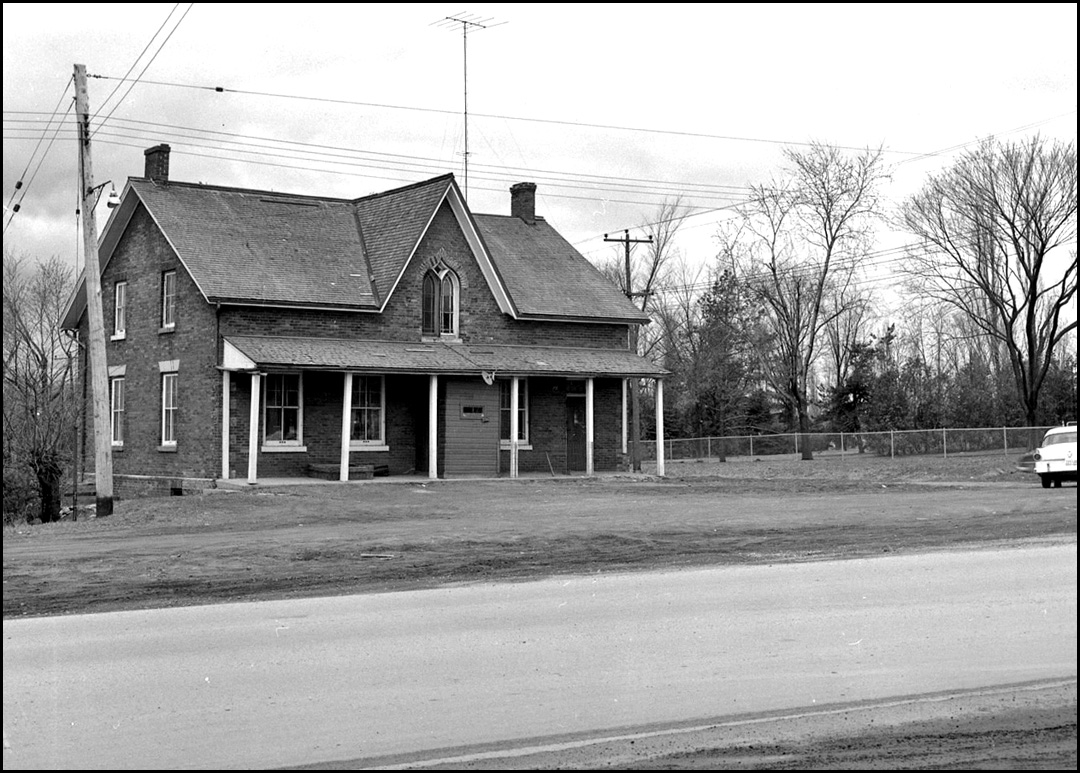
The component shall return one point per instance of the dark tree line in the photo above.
(782, 339)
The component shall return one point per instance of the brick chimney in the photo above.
(157, 163)
(523, 202)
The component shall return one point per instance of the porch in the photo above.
(354, 407)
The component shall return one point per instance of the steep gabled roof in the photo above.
(253, 246)
(393, 224)
(260, 247)
(546, 277)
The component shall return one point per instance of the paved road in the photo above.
(298, 682)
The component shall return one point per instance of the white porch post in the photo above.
(433, 433)
(253, 429)
(514, 382)
(624, 416)
(346, 421)
(225, 424)
(589, 426)
(659, 426)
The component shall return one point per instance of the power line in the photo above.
(13, 207)
(608, 194)
(962, 145)
(583, 181)
(399, 178)
(120, 83)
(874, 260)
(144, 69)
(551, 121)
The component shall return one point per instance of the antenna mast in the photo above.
(467, 21)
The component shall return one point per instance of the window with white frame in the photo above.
(168, 300)
(116, 393)
(168, 409)
(120, 310)
(283, 409)
(523, 410)
(368, 411)
(440, 302)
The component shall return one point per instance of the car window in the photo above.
(1060, 437)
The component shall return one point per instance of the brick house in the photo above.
(253, 333)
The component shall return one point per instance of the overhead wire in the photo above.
(338, 151)
(152, 58)
(419, 165)
(120, 83)
(405, 168)
(552, 121)
(13, 206)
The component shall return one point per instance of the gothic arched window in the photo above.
(440, 302)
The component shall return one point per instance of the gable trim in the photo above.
(472, 236)
(479, 248)
(108, 240)
(584, 320)
(168, 241)
(234, 359)
(295, 306)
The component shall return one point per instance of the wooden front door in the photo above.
(575, 433)
(472, 429)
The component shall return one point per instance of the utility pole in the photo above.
(467, 22)
(635, 391)
(99, 384)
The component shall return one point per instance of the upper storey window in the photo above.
(119, 311)
(440, 302)
(168, 300)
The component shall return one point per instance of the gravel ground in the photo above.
(378, 536)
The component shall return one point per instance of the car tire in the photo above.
(1057, 482)
(1045, 480)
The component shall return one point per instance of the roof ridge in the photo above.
(546, 346)
(364, 341)
(232, 189)
(394, 191)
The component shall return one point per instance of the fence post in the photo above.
(892, 444)
(841, 445)
(751, 445)
(796, 442)
(708, 447)
(1005, 441)
(944, 445)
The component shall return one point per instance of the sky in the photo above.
(609, 109)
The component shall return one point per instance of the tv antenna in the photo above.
(467, 21)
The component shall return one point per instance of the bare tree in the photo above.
(990, 227)
(40, 403)
(647, 270)
(639, 274)
(677, 327)
(850, 316)
(803, 239)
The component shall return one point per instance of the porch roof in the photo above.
(251, 352)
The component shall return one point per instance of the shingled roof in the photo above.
(263, 247)
(546, 277)
(247, 246)
(434, 357)
(393, 223)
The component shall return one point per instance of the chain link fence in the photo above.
(1007, 441)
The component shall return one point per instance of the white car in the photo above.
(1055, 459)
